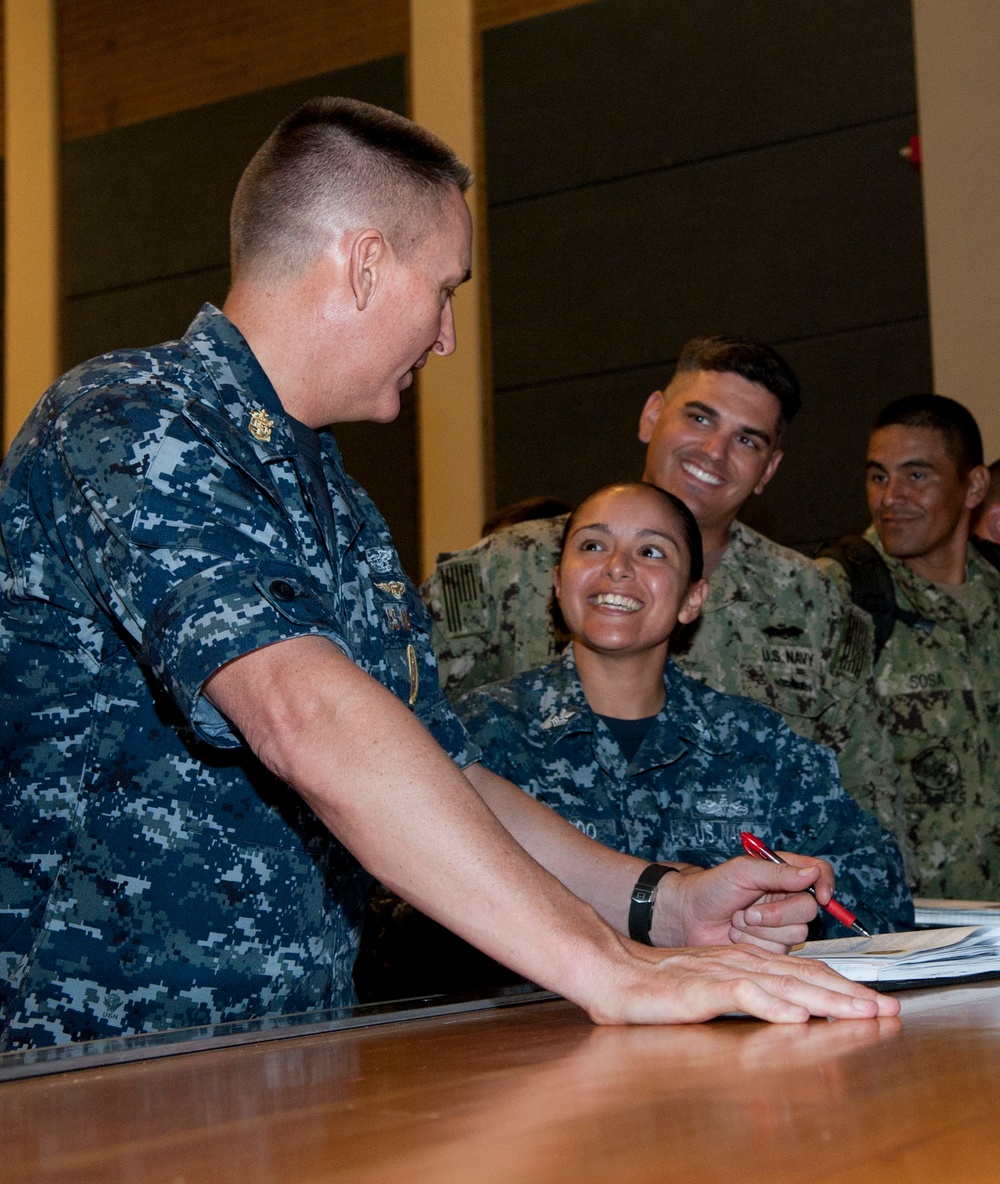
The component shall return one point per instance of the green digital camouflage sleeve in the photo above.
(937, 682)
(776, 629)
(491, 606)
(857, 727)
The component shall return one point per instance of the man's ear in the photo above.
(772, 468)
(369, 252)
(650, 414)
(977, 483)
(991, 522)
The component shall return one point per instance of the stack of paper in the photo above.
(924, 957)
(956, 912)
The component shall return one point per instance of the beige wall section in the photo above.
(31, 246)
(957, 46)
(452, 421)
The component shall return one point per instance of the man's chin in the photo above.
(388, 412)
(898, 546)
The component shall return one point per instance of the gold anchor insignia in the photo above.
(261, 425)
(394, 588)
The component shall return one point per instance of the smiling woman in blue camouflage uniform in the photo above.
(636, 754)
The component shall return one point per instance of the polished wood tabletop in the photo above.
(535, 1093)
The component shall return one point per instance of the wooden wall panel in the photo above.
(125, 63)
(490, 14)
(122, 63)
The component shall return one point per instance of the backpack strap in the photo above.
(871, 584)
(990, 551)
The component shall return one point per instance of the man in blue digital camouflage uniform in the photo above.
(217, 692)
(711, 766)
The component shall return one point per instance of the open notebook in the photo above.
(921, 958)
(956, 912)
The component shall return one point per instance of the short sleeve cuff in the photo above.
(228, 611)
(448, 730)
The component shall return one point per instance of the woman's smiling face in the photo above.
(623, 579)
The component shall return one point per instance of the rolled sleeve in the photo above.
(224, 612)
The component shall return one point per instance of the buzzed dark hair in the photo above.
(335, 158)
(752, 360)
(956, 423)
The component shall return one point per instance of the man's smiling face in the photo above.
(713, 440)
(918, 499)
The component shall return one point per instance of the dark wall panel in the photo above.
(628, 86)
(146, 243)
(822, 233)
(139, 314)
(659, 169)
(566, 438)
(818, 492)
(158, 192)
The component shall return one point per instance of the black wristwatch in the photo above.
(640, 911)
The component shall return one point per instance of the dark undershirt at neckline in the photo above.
(629, 733)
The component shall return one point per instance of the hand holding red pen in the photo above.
(759, 849)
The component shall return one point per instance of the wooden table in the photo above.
(534, 1093)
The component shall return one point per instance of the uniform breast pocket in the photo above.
(792, 688)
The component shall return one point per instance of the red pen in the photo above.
(753, 846)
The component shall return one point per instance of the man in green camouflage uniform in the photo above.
(217, 693)
(938, 675)
(774, 627)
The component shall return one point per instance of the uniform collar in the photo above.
(252, 403)
(723, 584)
(681, 723)
(242, 385)
(930, 600)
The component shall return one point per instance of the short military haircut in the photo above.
(752, 360)
(956, 423)
(331, 163)
(692, 532)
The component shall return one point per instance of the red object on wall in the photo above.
(911, 153)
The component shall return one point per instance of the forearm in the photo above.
(599, 875)
(376, 778)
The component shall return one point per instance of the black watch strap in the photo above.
(640, 911)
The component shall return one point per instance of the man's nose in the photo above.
(894, 491)
(714, 444)
(446, 340)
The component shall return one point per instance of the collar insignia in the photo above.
(562, 716)
(261, 425)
